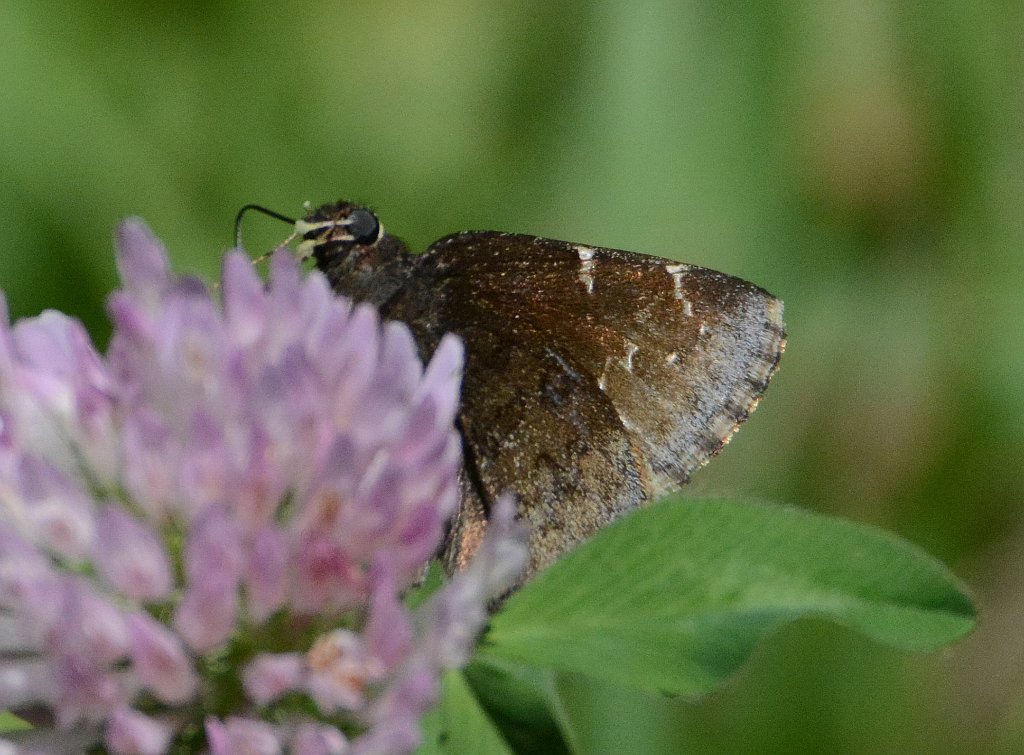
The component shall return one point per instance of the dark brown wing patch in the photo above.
(588, 399)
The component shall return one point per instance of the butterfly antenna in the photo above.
(257, 208)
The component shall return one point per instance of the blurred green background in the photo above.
(861, 160)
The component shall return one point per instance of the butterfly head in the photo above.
(348, 242)
(337, 229)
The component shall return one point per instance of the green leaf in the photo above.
(10, 722)
(541, 712)
(674, 597)
(459, 724)
(524, 704)
(609, 718)
(430, 583)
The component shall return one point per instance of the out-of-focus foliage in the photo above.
(863, 161)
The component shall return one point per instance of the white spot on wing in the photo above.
(631, 351)
(628, 424)
(677, 271)
(587, 264)
(672, 358)
(602, 382)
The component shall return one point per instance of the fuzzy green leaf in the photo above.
(674, 597)
(458, 724)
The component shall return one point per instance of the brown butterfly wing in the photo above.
(534, 425)
(596, 379)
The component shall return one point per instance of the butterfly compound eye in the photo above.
(363, 226)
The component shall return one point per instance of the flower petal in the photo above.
(160, 661)
(270, 675)
(131, 557)
(133, 733)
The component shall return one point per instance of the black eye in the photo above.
(363, 226)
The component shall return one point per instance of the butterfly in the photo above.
(595, 379)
